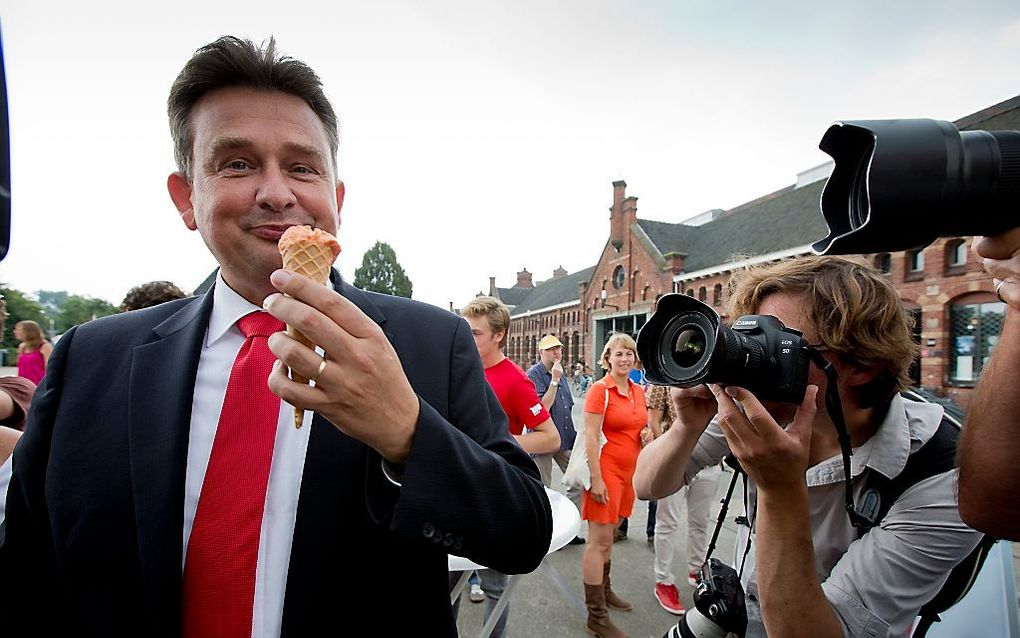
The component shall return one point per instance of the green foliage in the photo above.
(78, 309)
(381, 272)
(51, 301)
(19, 308)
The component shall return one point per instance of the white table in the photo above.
(566, 522)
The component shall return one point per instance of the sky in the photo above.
(477, 137)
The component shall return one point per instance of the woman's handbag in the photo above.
(578, 473)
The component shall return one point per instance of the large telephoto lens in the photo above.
(900, 184)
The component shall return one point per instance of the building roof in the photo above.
(552, 292)
(512, 296)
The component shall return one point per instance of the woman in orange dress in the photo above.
(615, 407)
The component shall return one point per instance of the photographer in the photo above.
(809, 572)
(990, 442)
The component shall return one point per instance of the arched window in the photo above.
(956, 256)
(915, 261)
(717, 295)
(702, 294)
(690, 292)
(644, 293)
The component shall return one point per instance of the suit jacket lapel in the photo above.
(162, 386)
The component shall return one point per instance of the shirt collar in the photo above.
(907, 426)
(228, 307)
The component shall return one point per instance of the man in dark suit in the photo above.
(117, 523)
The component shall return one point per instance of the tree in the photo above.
(381, 272)
(51, 301)
(19, 308)
(78, 309)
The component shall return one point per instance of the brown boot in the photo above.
(612, 600)
(599, 623)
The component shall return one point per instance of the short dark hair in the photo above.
(151, 294)
(235, 62)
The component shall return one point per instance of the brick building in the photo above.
(959, 317)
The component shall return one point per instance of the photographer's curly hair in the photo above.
(854, 308)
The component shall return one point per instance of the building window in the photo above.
(690, 292)
(883, 262)
(974, 331)
(915, 260)
(702, 294)
(956, 256)
(619, 277)
(717, 295)
(644, 293)
(914, 264)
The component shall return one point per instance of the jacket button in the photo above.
(428, 531)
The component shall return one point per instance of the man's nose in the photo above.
(274, 191)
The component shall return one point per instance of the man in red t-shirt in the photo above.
(530, 422)
(490, 320)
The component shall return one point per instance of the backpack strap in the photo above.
(935, 457)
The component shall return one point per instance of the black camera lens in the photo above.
(689, 347)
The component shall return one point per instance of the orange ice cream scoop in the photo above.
(310, 253)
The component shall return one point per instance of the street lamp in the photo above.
(603, 296)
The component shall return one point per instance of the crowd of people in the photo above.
(157, 485)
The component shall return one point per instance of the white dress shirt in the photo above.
(222, 342)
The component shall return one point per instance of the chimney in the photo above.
(559, 273)
(622, 215)
(675, 261)
(524, 280)
(492, 286)
(615, 214)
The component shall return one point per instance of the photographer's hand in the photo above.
(791, 597)
(1000, 256)
(695, 406)
(776, 459)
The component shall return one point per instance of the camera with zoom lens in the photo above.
(900, 184)
(685, 343)
(718, 605)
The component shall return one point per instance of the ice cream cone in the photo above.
(310, 253)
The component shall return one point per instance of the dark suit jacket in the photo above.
(93, 542)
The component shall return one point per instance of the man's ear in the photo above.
(340, 192)
(180, 192)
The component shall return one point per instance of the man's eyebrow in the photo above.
(222, 144)
(306, 150)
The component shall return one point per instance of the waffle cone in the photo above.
(312, 257)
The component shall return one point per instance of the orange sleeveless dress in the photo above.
(625, 417)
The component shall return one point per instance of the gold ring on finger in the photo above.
(318, 373)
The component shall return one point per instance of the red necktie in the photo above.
(219, 571)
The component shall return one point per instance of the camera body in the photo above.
(685, 344)
(719, 607)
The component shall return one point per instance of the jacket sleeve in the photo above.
(467, 486)
(27, 557)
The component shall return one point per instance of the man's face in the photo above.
(791, 310)
(552, 356)
(486, 340)
(261, 164)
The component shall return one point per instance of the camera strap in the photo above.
(859, 517)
